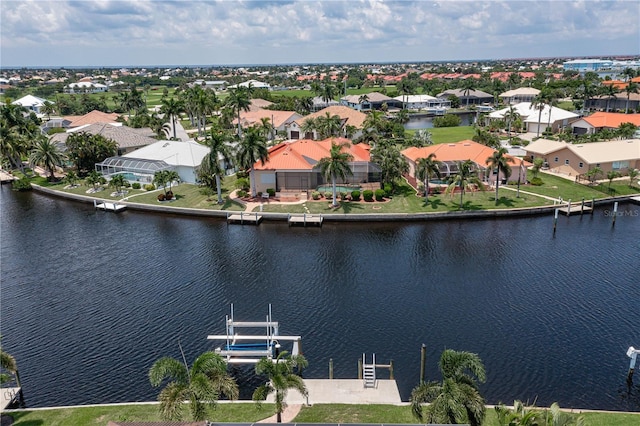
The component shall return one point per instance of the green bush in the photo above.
(22, 184)
(343, 196)
(242, 193)
(241, 174)
(367, 194)
(135, 185)
(388, 189)
(271, 192)
(380, 193)
(242, 183)
(149, 187)
(355, 195)
(536, 181)
(315, 195)
(328, 195)
(448, 120)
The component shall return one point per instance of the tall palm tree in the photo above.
(539, 103)
(499, 160)
(281, 376)
(632, 87)
(468, 86)
(252, 148)
(239, 100)
(466, 178)
(328, 92)
(45, 153)
(172, 107)
(328, 125)
(457, 399)
(201, 385)
(336, 165)
(633, 173)
(511, 115)
(391, 162)
(218, 149)
(425, 169)
(610, 91)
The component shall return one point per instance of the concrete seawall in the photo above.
(369, 217)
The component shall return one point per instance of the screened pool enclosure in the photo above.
(133, 169)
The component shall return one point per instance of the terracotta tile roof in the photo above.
(92, 117)
(352, 117)
(259, 104)
(611, 119)
(460, 151)
(303, 154)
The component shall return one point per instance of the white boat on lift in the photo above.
(251, 348)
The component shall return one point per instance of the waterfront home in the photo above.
(278, 120)
(348, 117)
(578, 159)
(599, 121)
(451, 153)
(473, 97)
(618, 102)
(31, 103)
(370, 101)
(292, 165)
(424, 102)
(522, 94)
(127, 139)
(535, 121)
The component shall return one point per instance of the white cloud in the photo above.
(218, 32)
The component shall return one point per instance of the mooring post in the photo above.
(423, 360)
(615, 213)
(391, 370)
(569, 207)
(593, 205)
(633, 354)
(359, 369)
(330, 368)
(582, 207)
(555, 221)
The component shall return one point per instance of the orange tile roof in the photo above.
(92, 117)
(352, 117)
(460, 151)
(612, 120)
(303, 154)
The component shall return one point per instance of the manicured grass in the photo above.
(225, 412)
(343, 413)
(451, 134)
(190, 196)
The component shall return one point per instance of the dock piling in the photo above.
(555, 221)
(423, 359)
(330, 368)
(359, 369)
(582, 207)
(615, 213)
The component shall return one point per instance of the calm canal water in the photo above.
(89, 300)
(425, 122)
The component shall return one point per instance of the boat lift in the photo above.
(250, 348)
(633, 354)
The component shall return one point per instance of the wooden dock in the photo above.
(6, 177)
(9, 396)
(109, 207)
(576, 208)
(305, 219)
(243, 218)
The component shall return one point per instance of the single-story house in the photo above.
(92, 117)
(599, 121)
(450, 153)
(349, 117)
(209, 84)
(615, 103)
(522, 94)
(292, 165)
(32, 103)
(578, 159)
(474, 97)
(534, 121)
(86, 87)
(126, 138)
(424, 102)
(370, 101)
(279, 120)
(254, 84)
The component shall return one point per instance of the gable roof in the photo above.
(373, 97)
(259, 104)
(30, 101)
(460, 151)
(304, 154)
(460, 93)
(351, 116)
(92, 117)
(175, 153)
(591, 153)
(612, 119)
(124, 137)
(526, 91)
(530, 114)
(277, 118)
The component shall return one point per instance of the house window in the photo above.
(566, 162)
(581, 164)
(598, 165)
(618, 165)
(556, 159)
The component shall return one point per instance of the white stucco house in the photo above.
(424, 102)
(86, 87)
(535, 120)
(254, 84)
(32, 103)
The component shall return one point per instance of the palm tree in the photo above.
(281, 378)
(610, 91)
(633, 173)
(594, 173)
(363, 99)
(611, 175)
(632, 87)
(8, 364)
(328, 92)
(391, 162)
(328, 125)
(457, 399)
(48, 108)
(218, 149)
(469, 85)
(45, 153)
(336, 165)
(626, 130)
(466, 178)
(540, 102)
(71, 178)
(425, 169)
(160, 180)
(239, 100)
(172, 107)
(498, 160)
(511, 115)
(172, 176)
(252, 148)
(94, 179)
(201, 384)
(538, 162)
(118, 182)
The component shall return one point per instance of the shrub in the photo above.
(343, 196)
(242, 183)
(388, 189)
(380, 193)
(135, 185)
(242, 193)
(367, 194)
(355, 195)
(161, 197)
(328, 195)
(22, 184)
(448, 120)
(241, 174)
(315, 195)
(149, 187)
(271, 192)
(536, 181)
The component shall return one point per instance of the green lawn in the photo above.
(451, 134)
(249, 413)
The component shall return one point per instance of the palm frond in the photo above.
(170, 368)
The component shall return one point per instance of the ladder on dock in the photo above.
(369, 372)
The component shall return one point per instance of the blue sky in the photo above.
(139, 32)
